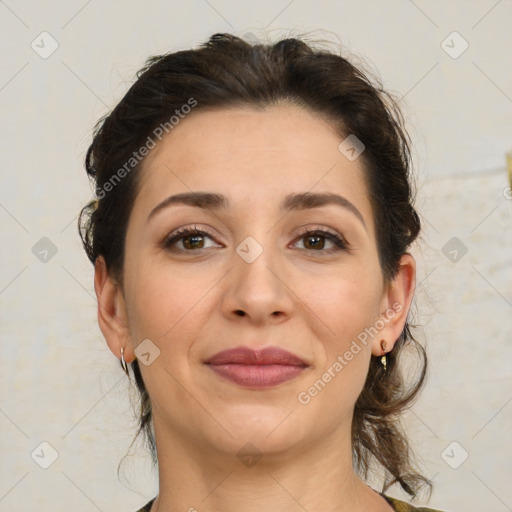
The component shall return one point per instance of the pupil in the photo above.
(317, 238)
(194, 237)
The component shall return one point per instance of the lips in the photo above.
(244, 355)
(256, 368)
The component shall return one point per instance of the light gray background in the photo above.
(59, 382)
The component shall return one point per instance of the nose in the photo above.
(256, 286)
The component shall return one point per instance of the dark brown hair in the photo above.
(227, 71)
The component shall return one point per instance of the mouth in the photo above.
(256, 368)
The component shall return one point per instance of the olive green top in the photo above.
(397, 505)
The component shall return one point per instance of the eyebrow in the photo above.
(303, 201)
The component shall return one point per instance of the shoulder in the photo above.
(147, 506)
(402, 506)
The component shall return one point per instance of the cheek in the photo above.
(168, 308)
(157, 294)
(347, 306)
(162, 300)
(346, 302)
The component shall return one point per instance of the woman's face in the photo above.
(256, 280)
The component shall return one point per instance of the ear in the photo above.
(395, 305)
(112, 317)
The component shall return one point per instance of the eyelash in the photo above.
(338, 241)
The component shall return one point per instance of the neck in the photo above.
(315, 477)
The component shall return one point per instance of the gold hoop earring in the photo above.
(124, 366)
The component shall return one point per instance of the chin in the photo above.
(271, 430)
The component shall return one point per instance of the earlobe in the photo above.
(111, 312)
(396, 302)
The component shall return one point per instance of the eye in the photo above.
(192, 238)
(315, 240)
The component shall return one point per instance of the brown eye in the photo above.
(315, 241)
(193, 239)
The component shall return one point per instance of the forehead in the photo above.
(285, 132)
(254, 155)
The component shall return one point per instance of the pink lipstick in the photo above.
(256, 368)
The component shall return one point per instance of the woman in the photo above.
(249, 236)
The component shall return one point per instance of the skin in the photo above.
(292, 297)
